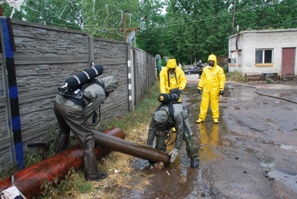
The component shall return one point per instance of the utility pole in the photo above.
(125, 29)
(124, 22)
(233, 17)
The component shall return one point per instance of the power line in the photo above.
(171, 24)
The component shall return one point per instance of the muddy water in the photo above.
(251, 153)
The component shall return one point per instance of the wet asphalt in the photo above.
(250, 154)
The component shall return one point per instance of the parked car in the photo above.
(195, 70)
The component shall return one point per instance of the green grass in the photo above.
(235, 76)
(141, 114)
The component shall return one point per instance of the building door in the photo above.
(288, 61)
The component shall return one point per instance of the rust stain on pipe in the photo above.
(30, 179)
(131, 148)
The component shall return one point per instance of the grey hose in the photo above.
(262, 94)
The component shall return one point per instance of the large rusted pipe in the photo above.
(131, 148)
(30, 179)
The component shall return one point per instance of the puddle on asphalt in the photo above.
(268, 164)
(286, 147)
(289, 180)
(183, 177)
(282, 146)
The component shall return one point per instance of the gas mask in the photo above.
(171, 72)
(210, 64)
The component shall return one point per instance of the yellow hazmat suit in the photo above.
(212, 81)
(172, 77)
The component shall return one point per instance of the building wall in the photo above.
(45, 56)
(249, 41)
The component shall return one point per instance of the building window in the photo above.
(263, 56)
(232, 59)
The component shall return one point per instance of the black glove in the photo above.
(221, 92)
(174, 97)
(199, 91)
(176, 91)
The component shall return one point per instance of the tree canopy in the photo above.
(186, 30)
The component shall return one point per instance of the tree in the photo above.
(189, 30)
(197, 28)
(49, 12)
(152, 35)
(104, 18)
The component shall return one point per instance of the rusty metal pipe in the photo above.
(30, 179)
(130, 148)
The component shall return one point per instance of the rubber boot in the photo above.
(194, 162)
(62, 142)
(199, 121)
(90, 166)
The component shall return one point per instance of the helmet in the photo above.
(160, 116)
(171, 63)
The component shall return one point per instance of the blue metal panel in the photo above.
(13, 90)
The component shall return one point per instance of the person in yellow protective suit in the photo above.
(172, 79)
(211, 86)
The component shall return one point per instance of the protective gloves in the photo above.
(175, 94)
(199, 91)
(221, 92)
(174, 97)
(176, 90)
(173, 154)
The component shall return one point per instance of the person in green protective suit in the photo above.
(170, 114)
(73, 113)
(211, 86)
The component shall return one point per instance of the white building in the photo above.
(264, 52)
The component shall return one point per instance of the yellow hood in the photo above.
(213, 58)
(171, 63)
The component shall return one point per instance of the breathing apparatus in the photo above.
(73, 85)
(165, 98)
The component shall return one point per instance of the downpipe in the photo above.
(130, 148)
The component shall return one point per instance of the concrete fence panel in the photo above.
(44, 57)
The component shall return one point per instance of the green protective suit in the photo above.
(161, 124)
(73, 116)
(169, 82)
(211, 82)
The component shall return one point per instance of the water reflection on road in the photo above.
(209, 137)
